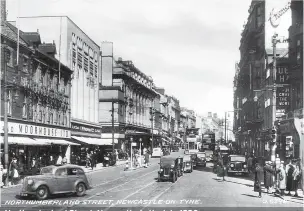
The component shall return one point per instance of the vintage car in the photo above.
(209, 155)
(188, 165)
(56, 180)
(109, 158)
(237, 165)
(201, 159)
(170, 168)
(157, 152)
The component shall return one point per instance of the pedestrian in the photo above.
(92, 159)
(289, 176)
(146, 159)
(64, 160)
(296, 179)
(14, 171)
(221, 169)
(88, 160)
(34, 166)
(282, 179)
(59, 159)
(268, 176)
(258, 179)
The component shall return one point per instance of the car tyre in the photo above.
(80, 189)
(42, 192)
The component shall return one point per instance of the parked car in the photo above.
(188, 165)
(170, 168)
(109, 158)
(157, 152)
(56, 180)
(201, 159)
(237, 165)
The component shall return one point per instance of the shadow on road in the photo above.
(240, 183)
(249, 195)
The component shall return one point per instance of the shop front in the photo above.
(28, 140)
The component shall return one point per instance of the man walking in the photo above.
(289, 172)
(249, 164)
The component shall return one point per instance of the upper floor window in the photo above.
(79, 59)
(10, 62)
(299, 51)
(24, 107)
(25, 64)
(86, 63)
(9, 102)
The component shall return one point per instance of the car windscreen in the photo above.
(46, 170)
(238, 158)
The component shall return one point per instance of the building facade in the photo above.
(80, 53)
(38, 89)
(132, 95)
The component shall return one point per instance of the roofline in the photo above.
(62, 16)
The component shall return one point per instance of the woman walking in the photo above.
(268, 176)
(296, 179)
(258, 175)
(282, 179)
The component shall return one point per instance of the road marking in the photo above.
(113, 205)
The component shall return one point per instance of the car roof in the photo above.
(63, 166)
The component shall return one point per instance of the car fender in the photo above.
(82, 181)
(39, 183)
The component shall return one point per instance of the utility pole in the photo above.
(225, 126)
(6, 158)
(274, 72)
(113, 148)
(152, 122)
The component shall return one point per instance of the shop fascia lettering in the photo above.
(34, 130)
(85, 129)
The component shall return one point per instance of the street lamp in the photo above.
(140, 141)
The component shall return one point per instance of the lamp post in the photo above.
(131, 140)
(6, 158)
(140, 141)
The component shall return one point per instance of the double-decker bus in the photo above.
(208, 142)
(192, 139)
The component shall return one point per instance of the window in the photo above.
(61, 172)
(9, 102)
(10, 61)
(65, 123)
(299, 50)
(25, 64)
(55, 116)
(79, 59)
(72, 171)
(24, 108)
(51, 118)
(96, 70)
(91, 67)
(86, 63)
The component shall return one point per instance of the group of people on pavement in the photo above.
(136, 158)
(278, 180)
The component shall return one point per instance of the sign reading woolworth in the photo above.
(35, 130)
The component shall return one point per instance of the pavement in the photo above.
(116, 188)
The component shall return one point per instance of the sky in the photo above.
(189, 47)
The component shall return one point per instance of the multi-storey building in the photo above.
(260, 90)
(190, 117)
(80, 53)
(132, 95)
(174, 118)
(291, 125)
(38, 88)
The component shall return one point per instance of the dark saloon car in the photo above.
(201, 159)
(170, 168)
(188, 165)
(237, 165)
(56, 180)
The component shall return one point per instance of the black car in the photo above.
(201, 159)
(237, 165)
(170, 168)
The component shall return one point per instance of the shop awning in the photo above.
(56, 141)
(95, 141)
(23, 141)
(104, 141)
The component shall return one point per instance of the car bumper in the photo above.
(26, 193)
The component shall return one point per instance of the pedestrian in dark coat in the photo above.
(297, 174)
(34, 166)
(268, 175)
(258, 179)
(289, 172)
(146, 159)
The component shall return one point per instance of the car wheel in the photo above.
(42, 192)
(80, 189)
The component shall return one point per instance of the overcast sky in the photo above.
(189, 47)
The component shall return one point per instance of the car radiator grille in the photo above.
(166, 171)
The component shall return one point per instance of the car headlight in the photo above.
(30, 182)
(188, 164)
(245, 166)
(161, 169)
(172, 166)
(231, 165)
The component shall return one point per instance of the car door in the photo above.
(61, 177)
(73, 176)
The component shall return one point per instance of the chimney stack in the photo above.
(3, 10)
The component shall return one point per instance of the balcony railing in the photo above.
(293, 114)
